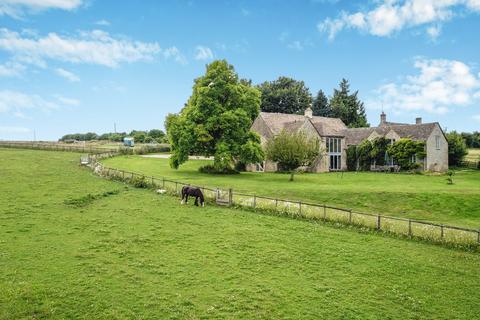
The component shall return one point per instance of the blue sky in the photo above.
(81, 65)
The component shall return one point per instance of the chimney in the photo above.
(308, 113)
(418, 120)
(383, 118)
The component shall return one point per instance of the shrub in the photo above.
(457, 148)
(139, 182)
(352, 158)
(404, 150)
(212, 169)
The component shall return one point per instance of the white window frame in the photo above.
(437, 142)
(334, 153)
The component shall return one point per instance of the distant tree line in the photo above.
(151, 136)
(287, 95)
(472, 140)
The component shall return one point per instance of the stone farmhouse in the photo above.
(335, 137)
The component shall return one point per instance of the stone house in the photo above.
(335, 137)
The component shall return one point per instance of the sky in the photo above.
(70, 66)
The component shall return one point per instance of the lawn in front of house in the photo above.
(418, 196)
(76, 246)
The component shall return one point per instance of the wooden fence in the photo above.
(470, 164)
(299, 209)
(54, 147)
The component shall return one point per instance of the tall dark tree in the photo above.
(321, 106)
(348, 107)
(285, 95)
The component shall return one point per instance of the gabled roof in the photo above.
(292, 122)
(418, 132)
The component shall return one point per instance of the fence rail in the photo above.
(470, 164)
(299, 209)
(54, 147)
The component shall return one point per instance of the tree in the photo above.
(292, 150)
(285, 95)
(156, 134)
(139, 136)
(457, 149)
(348, 107)
(216, 120)
(321, 106)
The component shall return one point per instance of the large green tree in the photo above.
(285, 95)
(292, 150)
(216, 120)
(321, 106)
(348, 107)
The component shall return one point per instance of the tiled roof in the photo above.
(419, 132)
(324, 126)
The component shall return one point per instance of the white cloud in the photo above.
(440, 86)
(175, 54)
(103, 22)
(66, 101)
(11, 69)
(390, 16)
(94, 47)
(10, 130)
(477, 117)
(296, 45)
(203, 53)
(15, 102)
(70, 76)
(434, 31)
(18, 8)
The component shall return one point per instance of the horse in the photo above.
(194, 192)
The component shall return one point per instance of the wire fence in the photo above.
(53, 146)
(298, 209)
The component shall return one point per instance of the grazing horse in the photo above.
(194, 192)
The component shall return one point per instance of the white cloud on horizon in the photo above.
(439, 87)
(18, 8)
(203, 53)
(16, 102)
(14, 130)
(390, 16)
(93, 47)
(70, 76)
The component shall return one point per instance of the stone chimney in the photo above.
(383, 118)
(308, 113)
(418, 120)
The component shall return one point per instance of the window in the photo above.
(334, 152)
(437, 142)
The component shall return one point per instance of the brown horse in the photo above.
(194, 192)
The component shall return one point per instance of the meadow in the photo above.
(75, 245)
(416, 196)
(473, 155)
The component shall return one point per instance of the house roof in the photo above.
(419, 132)
(292, 122)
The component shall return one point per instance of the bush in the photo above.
(352, 158)
(211, 169)
(139, 182)
(457, 148)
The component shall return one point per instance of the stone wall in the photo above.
(437, 158)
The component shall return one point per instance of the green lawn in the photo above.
(424, 197)
(127, 253)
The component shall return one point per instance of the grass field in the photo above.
(76, 246)
(473, 155)
(424, 197)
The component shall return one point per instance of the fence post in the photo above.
(153, 184)
(478, 236)
(378, 222)
(324, 212)
(276, 204)
(123, 175)
(350, 216)
(441, 231)
(254, 201)
(230, 197)
(300, 208)
(409, 227)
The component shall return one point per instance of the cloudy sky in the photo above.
(81, 65)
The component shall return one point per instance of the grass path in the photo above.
(411, 196)
(128, 253)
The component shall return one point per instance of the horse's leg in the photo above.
(183, 195)
(196, 201)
